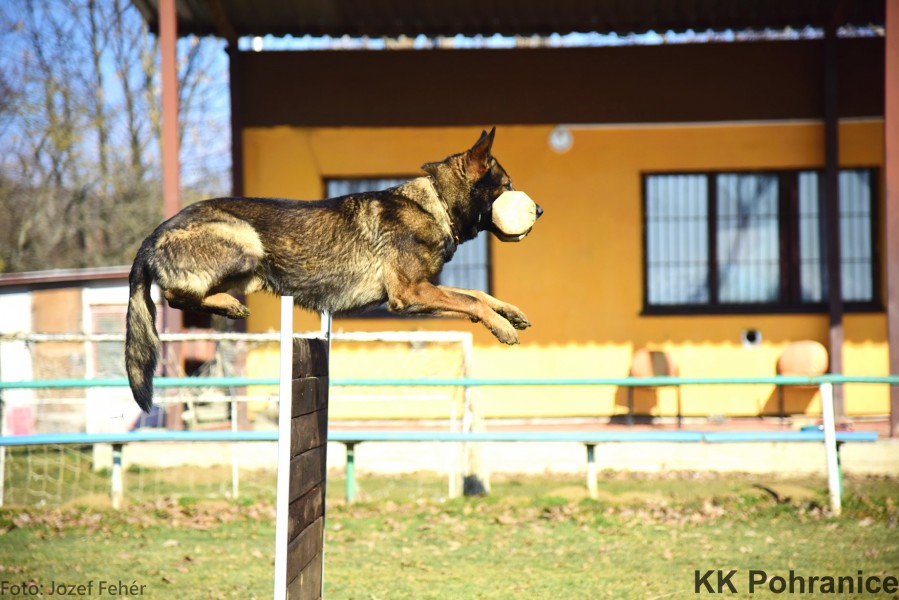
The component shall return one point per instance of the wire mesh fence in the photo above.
(59, 474)
(56, 475)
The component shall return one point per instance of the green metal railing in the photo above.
(825, 381)
(188, 382)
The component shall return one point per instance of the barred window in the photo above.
(108, 356)
(856, 237)
(470, 266)
(677, 240)
(744, 241)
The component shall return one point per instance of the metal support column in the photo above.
(891, 210)
(171, 177)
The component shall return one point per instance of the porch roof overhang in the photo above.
(393, 18)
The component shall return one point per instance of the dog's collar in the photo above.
(449, 214)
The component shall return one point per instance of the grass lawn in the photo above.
(531, 538)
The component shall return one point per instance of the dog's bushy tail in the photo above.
(141, 339)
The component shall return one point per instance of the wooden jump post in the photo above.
(302, 467)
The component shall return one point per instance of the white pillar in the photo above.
(282, 500)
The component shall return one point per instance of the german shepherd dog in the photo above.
(340, 254)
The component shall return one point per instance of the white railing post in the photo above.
(282, 499)
(116, 484)
(326, 326)
(830, 448)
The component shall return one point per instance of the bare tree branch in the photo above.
(80, 126)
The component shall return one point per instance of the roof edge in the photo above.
(56, 276)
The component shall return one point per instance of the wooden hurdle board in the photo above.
(308, 470)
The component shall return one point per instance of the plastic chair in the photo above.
(652, 363)
(805, 358)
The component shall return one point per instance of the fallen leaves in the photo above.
(136, 518)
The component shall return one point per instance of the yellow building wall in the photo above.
(578, 276)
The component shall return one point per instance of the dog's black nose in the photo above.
(539, 211)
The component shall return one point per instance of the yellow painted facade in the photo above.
(579, 276)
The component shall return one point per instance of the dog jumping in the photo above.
(339, 255)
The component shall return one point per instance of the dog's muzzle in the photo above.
(514, 215)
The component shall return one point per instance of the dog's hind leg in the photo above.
(197, 262)
(219, 303)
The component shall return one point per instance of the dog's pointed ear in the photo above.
(480, 152)
(484, 144)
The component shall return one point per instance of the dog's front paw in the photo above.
(514, 315)
(505, 333)
(238, 312)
